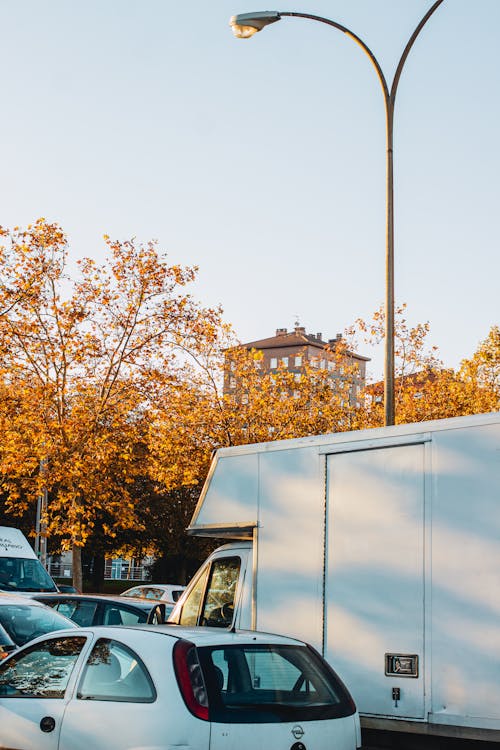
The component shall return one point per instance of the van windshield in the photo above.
(24, 574)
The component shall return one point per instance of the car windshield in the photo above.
(23, 622)
(271, 683)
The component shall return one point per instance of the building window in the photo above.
(331, 366)
(297, 377)
(273, 363)
(284, 361)
(244, 398)
(298, 360)
(232, 382)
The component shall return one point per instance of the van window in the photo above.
(218, 608)
(212, 603)
(191, 607)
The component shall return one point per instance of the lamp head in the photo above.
(245, 25)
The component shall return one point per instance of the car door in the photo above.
(35, 685)
(116, 704)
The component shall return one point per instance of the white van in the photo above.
(20, 569)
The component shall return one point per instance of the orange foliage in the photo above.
(80, 364)
(118, 376)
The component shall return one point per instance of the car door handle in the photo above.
(47, 724)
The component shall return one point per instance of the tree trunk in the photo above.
(77, 568)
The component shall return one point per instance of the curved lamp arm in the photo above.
(244, 26)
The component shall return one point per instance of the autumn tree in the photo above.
(12, 287)
(480, 375)
(84, 360)
(424, 388)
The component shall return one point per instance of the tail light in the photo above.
(190, 679)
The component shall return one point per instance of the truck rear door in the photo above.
(374, 587)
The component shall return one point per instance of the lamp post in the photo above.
(246, 25)
(41, 518)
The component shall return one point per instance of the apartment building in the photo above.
(292, 349)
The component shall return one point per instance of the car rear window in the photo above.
(271, 683)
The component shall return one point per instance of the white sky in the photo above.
(263, 161)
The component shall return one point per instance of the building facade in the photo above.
(291, 350)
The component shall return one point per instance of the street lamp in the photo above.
(245, 25)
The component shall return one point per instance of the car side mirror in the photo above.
(157, 615)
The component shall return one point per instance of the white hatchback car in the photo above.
(122, 688)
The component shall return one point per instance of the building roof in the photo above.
(298, 337)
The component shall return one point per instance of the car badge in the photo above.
(297, 732)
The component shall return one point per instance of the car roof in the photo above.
(8, 598)
(200, 636)
(205, 636)
(133, 601)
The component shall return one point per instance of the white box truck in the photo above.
(20, 569)
(379, 547)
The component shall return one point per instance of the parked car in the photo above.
(168, 592)
(96, 609)
(123, 688)
(22, 619)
